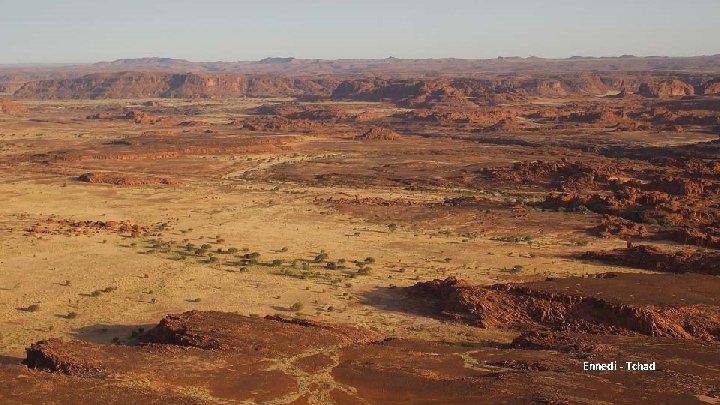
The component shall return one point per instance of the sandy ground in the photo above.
(223, 201)
(149, 285)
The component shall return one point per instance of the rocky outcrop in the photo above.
(654, 258)
(138, 117)
(711, 87)
(8, 106)
(168, 85)
(379, 134)
(198, 358)
(613, 226)
(70, 227)
(123, 179)
(666, 89)
(588, 305)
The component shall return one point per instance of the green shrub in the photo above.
(582, 209)
(298, 306)
(514, 269)
(512, 239)
(665, 222)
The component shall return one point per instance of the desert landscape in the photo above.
(390, 231)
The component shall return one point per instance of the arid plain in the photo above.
(394, 238)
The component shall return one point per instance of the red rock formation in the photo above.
(8, 106)
(188, 85)
(589, 305)
(619, 227)
(200, 357)
(654, 258)
(138, 117)
(379, 134)
(711, 87)
(123, 179)
(666, 89)
(72, 227)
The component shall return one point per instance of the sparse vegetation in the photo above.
(322, 256)
(513, 270)
(512, 239)
(468, 189)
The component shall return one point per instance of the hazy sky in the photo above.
(210, 30)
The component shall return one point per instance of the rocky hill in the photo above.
(540, 75)
(170, 85)
(418, 92)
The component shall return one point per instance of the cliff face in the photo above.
(666, 89)
(169, 85)
(540, 85)
(712, 87)
(411, 92)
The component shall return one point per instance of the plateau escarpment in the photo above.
(170, 85)
(491, 89)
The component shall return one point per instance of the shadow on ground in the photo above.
(102, 333)
(395, 299)
(9, 360)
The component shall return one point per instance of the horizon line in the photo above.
(291, 58)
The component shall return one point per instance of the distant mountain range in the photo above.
(62, 80)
